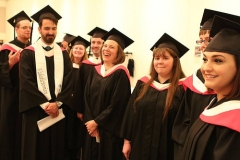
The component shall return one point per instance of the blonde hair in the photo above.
(84, 57)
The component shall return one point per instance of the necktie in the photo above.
(47, 48)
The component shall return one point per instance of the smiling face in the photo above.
(219, 70)
(96, 45)
(163, 64)
(109, 51)
(78, 51)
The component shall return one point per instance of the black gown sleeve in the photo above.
(182, 123)
(5, 79)
(127, 125)
(228, 144)
(78, 102)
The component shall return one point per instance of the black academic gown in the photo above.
(216, 136)
(106, 99)
(149, 134)
(196, 98)
(84, 71)
(74, 135)
(48, 144)
(78, 102)
(10, 118)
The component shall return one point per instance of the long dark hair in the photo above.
(235, 92)
(177, 73)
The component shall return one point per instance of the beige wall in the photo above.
(2, 20)
(142, 20)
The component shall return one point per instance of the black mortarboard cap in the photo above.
(44, 13)
(59, 43)
(118, 37)
(207, 18)
(79, 40)
(226, 36)
(19, 17)
(97, 32)
(68, 37)
(166, 41)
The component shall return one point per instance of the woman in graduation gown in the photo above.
(74, 127)
(147, 124)
(216, 133)
(197, 95)
(106, 95)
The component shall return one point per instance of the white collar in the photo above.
(47, 53)
(96, 57)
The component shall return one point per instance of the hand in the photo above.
(91, 126)
(52, 109)
(80, 116)
(13, 58)
(126, 149)
(95, 133)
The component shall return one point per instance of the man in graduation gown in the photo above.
(197, 95)
(45, 73)
(10, 123)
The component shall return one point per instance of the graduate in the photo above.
(197, 95)
(216, 133)
(152, 108)
(10, 123)
(86, 67)
(45, 76)
(106, 95)
(74, 128)
(96, 44)
(78, 51)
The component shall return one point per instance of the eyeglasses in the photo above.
(25, 27)
(199, 42)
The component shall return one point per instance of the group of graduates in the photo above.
(167, 116)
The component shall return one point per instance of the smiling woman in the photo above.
(78, 51)
(215, 134)
(75, 127)
(106, 95)
(219, 70)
